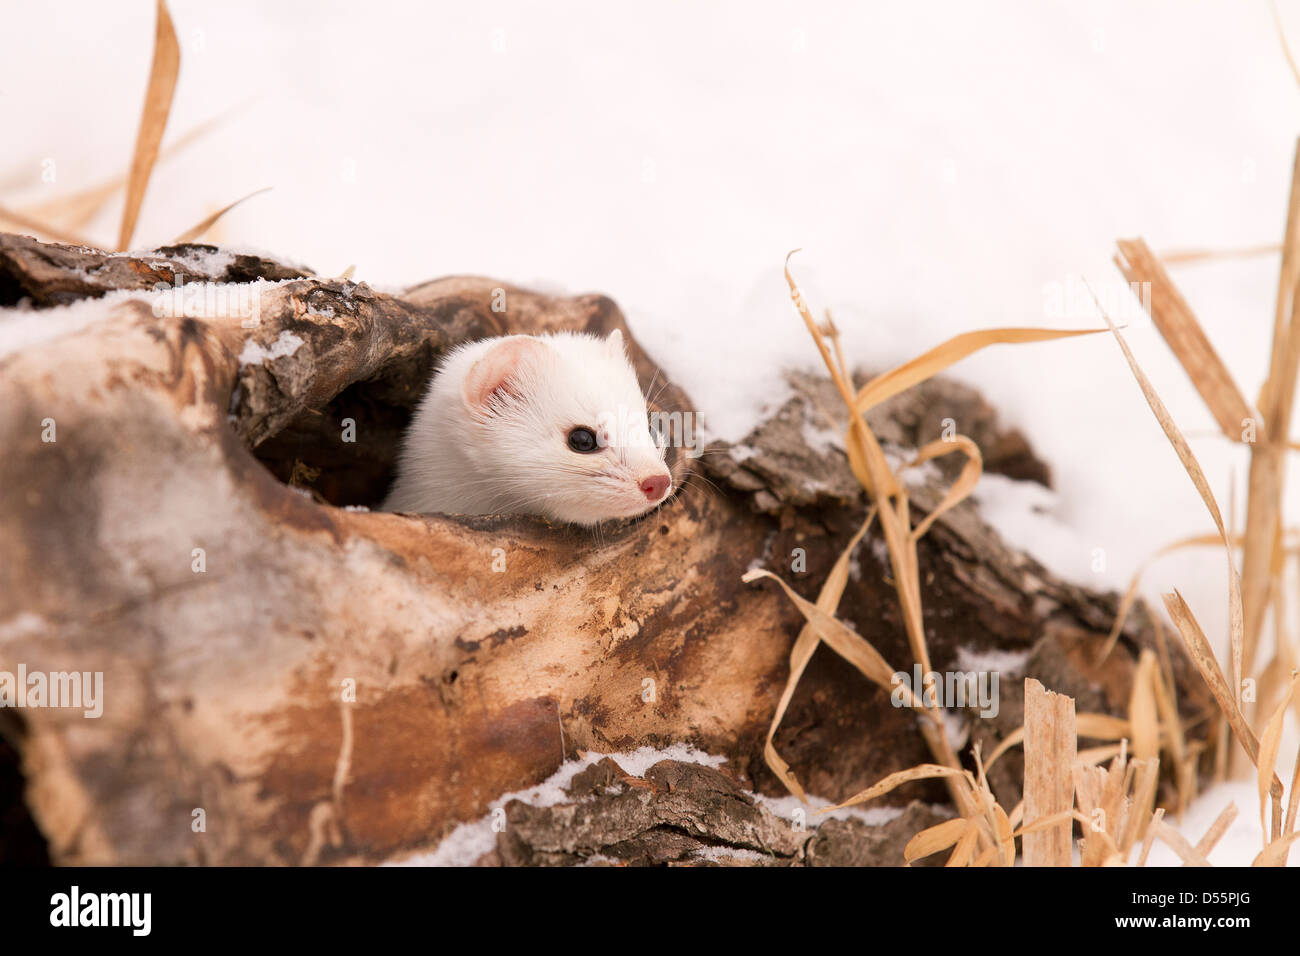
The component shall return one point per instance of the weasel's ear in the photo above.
(497, 372)
(615, 343)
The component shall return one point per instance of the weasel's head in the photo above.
(561, 423)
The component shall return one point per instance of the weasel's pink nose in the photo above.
(655, 486)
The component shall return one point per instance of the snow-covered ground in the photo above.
(944, 166)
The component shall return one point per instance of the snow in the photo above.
(206, 262)
(1030, 518)
(822, 438)
(1238, 846)
(721, 854)
(285, 344)
(956, 728)
(1007, 663)
(22, 328)
(945, 167)
(791, 807)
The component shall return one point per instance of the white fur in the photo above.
(513, 457)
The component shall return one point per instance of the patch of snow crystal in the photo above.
(724, 854)
(21, 328)
(638, 761)
(741, 452)
(1005, 662)
(243, 249)
(956, 728)
(286, 344)
(209, 263)
(923, 473)
(1027, 516)
(822, 438)
(791, 807)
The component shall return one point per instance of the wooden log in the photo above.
(289, 678)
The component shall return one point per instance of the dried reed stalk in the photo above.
(1050, 748)
(153, 119)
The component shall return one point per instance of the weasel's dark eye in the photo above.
(583, 441)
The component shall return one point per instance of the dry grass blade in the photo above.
(939, 358)
(1202, 655)
(1006, 837)
(1096, 726)
(1268, 747)
(1286, 47)
(77, 209)
(1217, 830)
(1146, 776)
(1150, 839)
(1099, 845)
(1193, 469)
(961, 488)
(41, 229)
(1096, 755)
(1131, 594)
(965, 850)
(854, 648)
(1045, 823)
(869, 466)
(802, 653)
(1102, 726)
(1267, 460)
(1115, 805)
(1090, 796)
(1178, 843)
(1174, 319)
(153, 120)
(925, 771)
(1167, 709)
(1142, 709)
(189, 235)
(936, 838)
(1275, 853)
(1188, 256)
(1292, 804)
(872, 470)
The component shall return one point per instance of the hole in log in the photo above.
(311, 451)
(11, 291)
(21, 841)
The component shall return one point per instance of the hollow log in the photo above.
(289, 677)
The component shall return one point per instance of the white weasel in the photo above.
(553, 425)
